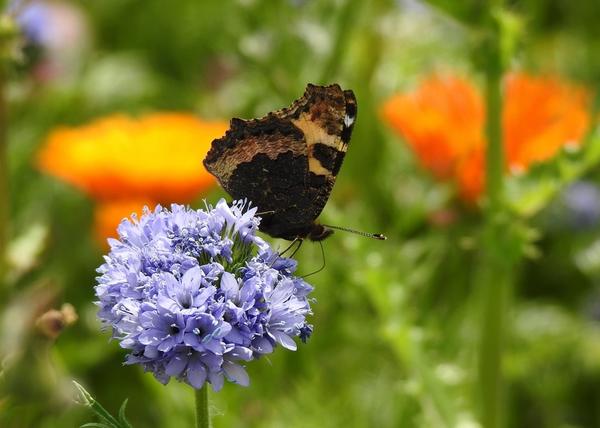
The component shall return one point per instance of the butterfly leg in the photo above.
(291, 245)
(322, 266)
(300, 241)
(296, 240)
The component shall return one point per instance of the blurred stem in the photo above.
(345, 22)
(408, 350)
(494, 150)
(495, 303)
(202, 415)
(369, 50)
(8, 33)
(4, 195)
(433, 388)
(496, 276)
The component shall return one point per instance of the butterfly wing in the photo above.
(326, 121)
(286, 162)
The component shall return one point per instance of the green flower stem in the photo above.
(4, 195)
(202, 414)
(495, 305)
(494, 150)
(345, 22)
(8, 34)
(496, 278)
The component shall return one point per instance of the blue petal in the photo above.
(263, 345)
(216, 380)
(236, 373)
(176, 365)
(285, 340)
(229, 285)
(191, 279)
(196, 376)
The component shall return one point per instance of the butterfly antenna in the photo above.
(379, 236)
(322, 266)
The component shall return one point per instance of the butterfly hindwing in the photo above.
(286, 162)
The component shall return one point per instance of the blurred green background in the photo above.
(396, 322)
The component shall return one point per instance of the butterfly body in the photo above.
(286, 163)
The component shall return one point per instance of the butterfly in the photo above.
(286, 162)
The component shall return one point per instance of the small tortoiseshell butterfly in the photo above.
(286, 162)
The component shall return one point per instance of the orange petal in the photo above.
(441, 122)
(108, 215)
(157, 156)
(470, 176)
(541, 115)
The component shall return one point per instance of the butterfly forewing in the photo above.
(286, 162)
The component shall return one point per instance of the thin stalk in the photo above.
(345, 21)
(4, 189)
(494, 150)
(202, 414)
(496, 277)
(495, 305)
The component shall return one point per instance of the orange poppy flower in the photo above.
(125, 163)
(443, 123)
(541, 115)
(156, 157)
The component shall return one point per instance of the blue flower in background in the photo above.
(192, 294)
(582, 202)
(35, 21)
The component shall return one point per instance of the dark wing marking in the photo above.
(286, 162)
(327, 126)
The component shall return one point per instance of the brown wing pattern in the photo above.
(326, 122)
(287, 161)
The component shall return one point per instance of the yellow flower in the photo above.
(125, 163)
(443, 123)
(156, 157)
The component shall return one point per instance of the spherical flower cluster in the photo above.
(192, 294)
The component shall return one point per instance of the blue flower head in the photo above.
(193, 294)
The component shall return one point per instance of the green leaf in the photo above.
(527, 194)
(108, 421)
(122, 419)
(94, 425)
(468, 12)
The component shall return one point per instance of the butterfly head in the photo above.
(318, 232)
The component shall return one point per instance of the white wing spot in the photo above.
(348, 120)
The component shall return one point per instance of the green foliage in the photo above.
(529, 193)
(397, 322)
(108, 421)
